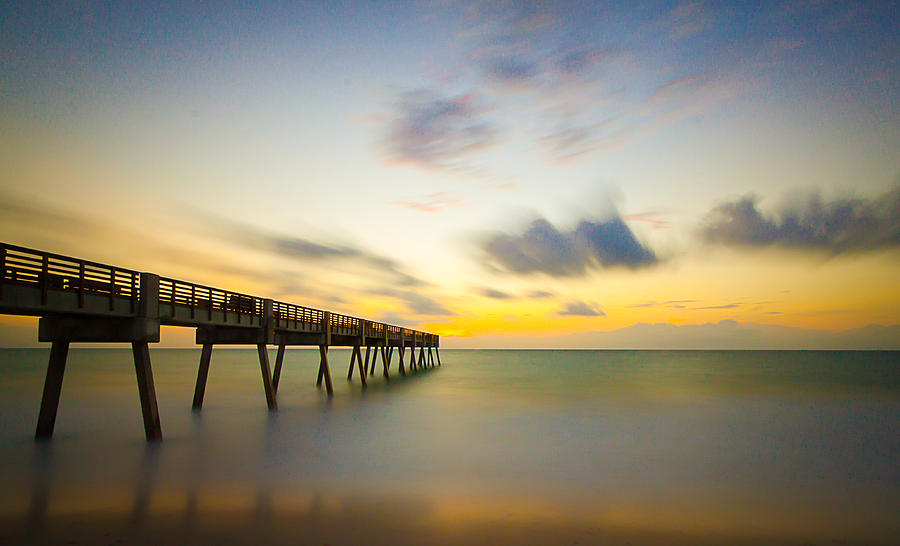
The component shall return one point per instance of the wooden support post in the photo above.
(52, 387)
(352, 362)
(279, 362)
(384, 362)
(202, 373)
(412, 356)
(144, 373)
(437, 353)
(323, 370)
(359, 362)
(366, 364)
(374, 358)
(422, 356)
(400, 358)
(430, 357)
(266, 376)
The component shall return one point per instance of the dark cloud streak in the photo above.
(417, 303)
(542, 248)
(581, 309)
(809, 224)
(494, 293)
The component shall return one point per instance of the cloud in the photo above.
(417, 303)
(689, 19)
(654, 218)
(512, 70)
(542, 248)
(808, 223)
(566, 72)
(726, 334)
(677, 304)
(307, 250)
(581, 309)
(493, 293)
(435, 202)
(725, 306)
(575, 62)
(300, 249)
(540, 294)
(431, 130)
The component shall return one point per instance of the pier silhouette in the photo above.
(83, 301)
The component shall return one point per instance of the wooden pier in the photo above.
(83, 301)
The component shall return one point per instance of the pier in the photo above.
(83, 301)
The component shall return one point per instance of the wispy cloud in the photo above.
(576, 84)
(416, 302)
(724, 306)
(581, 309)
(431, 130)
(540, 294)
(688, 19)
(512, 70)
(656, 219)
(302, 249)
(435, 202)
(808, 223)
(675, 304)
(494, 293)
(543, 248)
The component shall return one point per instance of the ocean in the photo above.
(494, 446)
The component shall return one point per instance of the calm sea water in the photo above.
(794, 444)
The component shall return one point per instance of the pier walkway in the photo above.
(83, 301)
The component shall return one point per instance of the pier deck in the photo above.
(83, 301)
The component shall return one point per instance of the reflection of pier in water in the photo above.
(148, 509)
(83, 301)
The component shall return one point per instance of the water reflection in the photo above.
(41, 470)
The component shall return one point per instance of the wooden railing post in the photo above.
(45, 268)
(3, 269)
(268, 320)
(148, 303)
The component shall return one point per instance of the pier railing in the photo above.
(57, 284)
(187, 302)
(80, 281)
(296, 317)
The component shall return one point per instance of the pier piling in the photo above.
(202, 374)
(56, 369)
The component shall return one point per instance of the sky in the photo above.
(505, 174)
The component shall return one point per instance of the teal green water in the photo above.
(800, 444)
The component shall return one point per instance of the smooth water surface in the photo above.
(795, 445)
